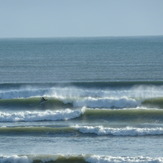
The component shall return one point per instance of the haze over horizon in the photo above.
(80, 18)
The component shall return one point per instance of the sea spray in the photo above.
(123, 102)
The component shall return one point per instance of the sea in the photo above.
(81, 100)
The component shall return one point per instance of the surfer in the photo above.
(43, 100)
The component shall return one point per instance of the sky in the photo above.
(80, 18)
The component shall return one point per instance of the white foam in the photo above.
(47, 115)
(111, 159)
(126, 131)
(27, 159)
(107, 102)
(15, 159)
(90, 159)
(22, 93)
(76, 92)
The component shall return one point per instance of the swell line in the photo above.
(84, 84)
(84, 114)
(82, 131)
(134, 115)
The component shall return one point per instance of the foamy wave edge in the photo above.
(48, 115)
(111, 159)
(126, 131)
(123, 102)
(81, 158)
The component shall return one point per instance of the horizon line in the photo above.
(64, 37)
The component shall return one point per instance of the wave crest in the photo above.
(123, 102)
(78, 158)
(47, 115)
(127, 131)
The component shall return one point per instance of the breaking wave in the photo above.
(122, 102)
(89, 94)
(78, 158)
(83, 131)
(52, 103)
(84, 114)
(127, 131)
(47, 115)
(90, 102)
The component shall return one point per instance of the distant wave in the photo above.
(113, 84)
(82, 131)
(78, 158)
(83, 84)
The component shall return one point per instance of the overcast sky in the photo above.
(80, 18)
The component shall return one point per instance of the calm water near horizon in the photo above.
(81, 59)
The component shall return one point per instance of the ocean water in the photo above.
(103, 100)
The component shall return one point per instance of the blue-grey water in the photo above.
(81, 59)
(103, 99)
